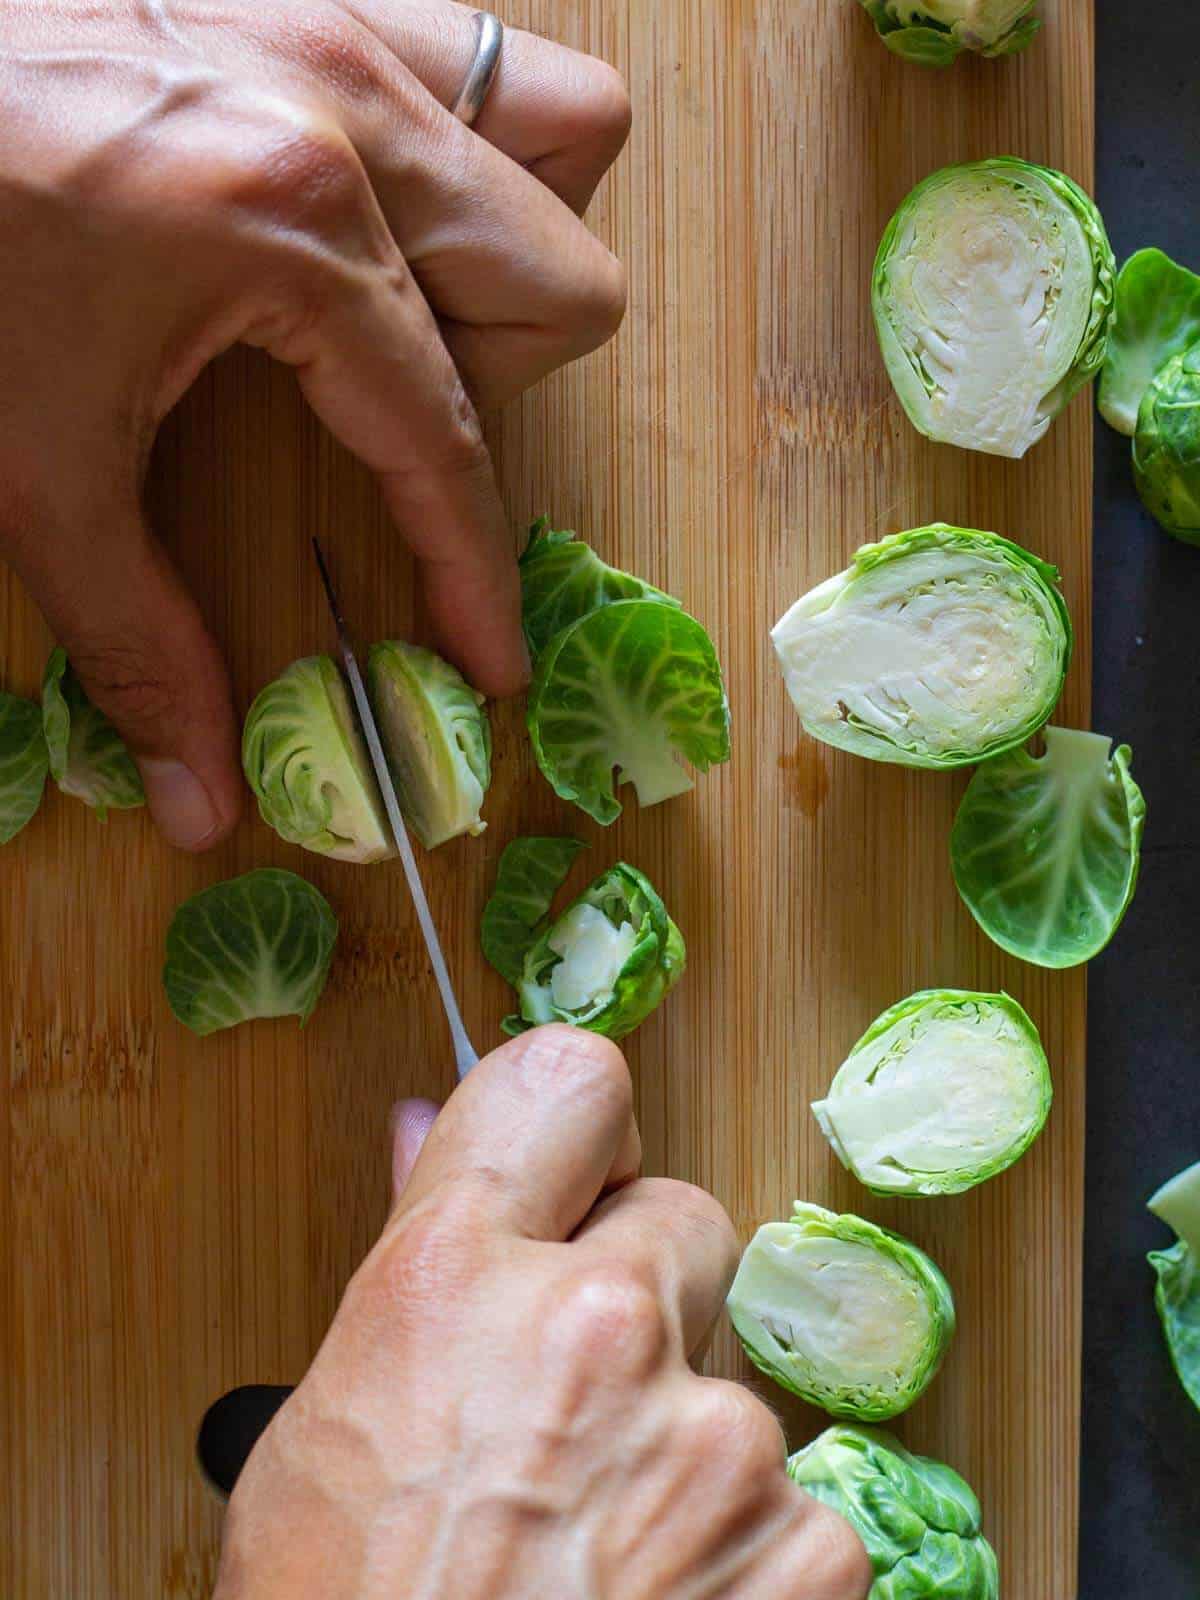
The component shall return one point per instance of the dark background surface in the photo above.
(1141, 1437)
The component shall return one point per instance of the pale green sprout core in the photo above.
(88, 758)
(1177, 1293)
(24, 762)
(932, 33)
(593, 953)
(945, 1089)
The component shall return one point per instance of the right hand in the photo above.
(504, 1408)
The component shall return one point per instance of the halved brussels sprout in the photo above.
(1045, 849)
(945, 1089)
(256, 946)
(992, 289)
(850, 1317)
(631, 687)
(935, 648)
(562, 579)
(87, 755)
(933, 32)
(305, 759)
(24, 762)
(1156, 315)
(1166, 447)
(1177, 1293)
(917, 1518)
(437, 739)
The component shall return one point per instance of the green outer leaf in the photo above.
(255, 946)
(530, 874)
(792, 1370)
(1045, 850)
(913, 33)
(563, 579)
(624, 687)
(923, 1010)
(87, 755)
(1156, 315)
(918, 1519)
(1166, 446)
(1177, 1291)
(24, 762)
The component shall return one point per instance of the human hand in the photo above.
(503, 1408)
(180, 177)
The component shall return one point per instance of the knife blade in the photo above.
(465, 1054)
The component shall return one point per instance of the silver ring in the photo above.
(481, 74)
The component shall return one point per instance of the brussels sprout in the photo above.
(991, 290)
(1156, 315)
(1166, 447)
(436, 737)
(933, 32)
(945, 1089)
(23, 763)
(256, 946)
(629, 686)
(562, 579)
(918, 1519)
(1045, 849)
(87, 755)
(604, 964)
(936, 647)
(1177, 1293)
(850, 1317)
(305, 759)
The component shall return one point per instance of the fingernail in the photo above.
(179, 803)
(410, 1122)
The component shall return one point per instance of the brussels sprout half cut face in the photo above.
(1177, 1292)
(935, 648)
(24, 763)
(850, 1317)
(1166, 447)
(88, 758)
(1156, 315)
(991, 290)
(932, 33)
(945, 1089)
(918, 1519)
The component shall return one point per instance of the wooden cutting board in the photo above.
(179, 1216)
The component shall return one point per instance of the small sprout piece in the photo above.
(530, 874)
(629, 687)
(88, 758)
(945, 1089)
(436, 737)
(935, 648)
(23, 763)
(991, 290)
(1156, 315)
(306, 761)
(255, 946)
(1166, 447)
(932, 33)
(562, 579)
(1177, 1293)
(850, 1317)
(1045, 849)
(918, 1520)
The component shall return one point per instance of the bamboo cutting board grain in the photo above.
(179, 1216)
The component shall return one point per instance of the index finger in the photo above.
(534, 1135)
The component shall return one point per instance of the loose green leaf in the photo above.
(562, 579)
(935, 33)
(1166, 447)
(87, 755)
(1177, 1292)
(1045, 849)
(627, 689)
(850, 1317)
(256, 946)
(530, 874)
(23, 763)
(1156, 316)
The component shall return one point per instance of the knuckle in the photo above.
(611, 1320)
(125, 680)
(698, 1212)
(727, 1418)
(303, 172)
(601, 297)
(607, 105)
(331, 49)
(422, 1259)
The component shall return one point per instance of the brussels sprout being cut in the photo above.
(1166, 447)
(306, 761)
(23, 763)
(918, 1519)
(945, 1089)
(256, 946)
(87, 755)
(934, 32)
(1177, 1293)
(437, 739)
(530, 874)
(1156, 315)
(850, 1317)
(935, 648)
(562, 579)
(991, 290)
(627, 688)
(1045, 849)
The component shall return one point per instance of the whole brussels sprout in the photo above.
(1166, 446)
(933, 33)
(1177, 1292)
